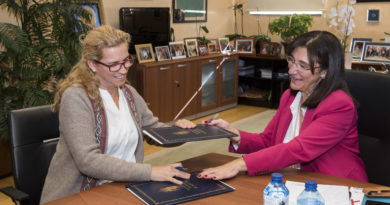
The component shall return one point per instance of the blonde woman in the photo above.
(101, 119)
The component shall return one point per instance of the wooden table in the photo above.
(248, 189)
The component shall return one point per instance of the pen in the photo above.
(216, 115)
(181, 168)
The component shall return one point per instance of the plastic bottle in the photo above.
(310, 196)
(276, 193)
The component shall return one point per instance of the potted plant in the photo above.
(289, 27)
(39, 52)
(202, 39)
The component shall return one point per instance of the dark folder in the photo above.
(173, 135)
(169, 193)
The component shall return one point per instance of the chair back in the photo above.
(34, 134)
(372, 91)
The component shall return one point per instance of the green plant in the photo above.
(38, 52)
(289, 27)
(233, 36)
(202, 40)
(240, 8)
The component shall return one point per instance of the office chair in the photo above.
(372, 91)
(33, 135)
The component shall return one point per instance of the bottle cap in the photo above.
(311, 185)
(277, 177)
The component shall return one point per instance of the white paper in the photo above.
(332, 194)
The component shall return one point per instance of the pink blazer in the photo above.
(328, 141)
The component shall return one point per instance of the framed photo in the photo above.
(373, 15)
(356, 48)
(212, 47)
(203, 50)
(224, 44)
(162, 53)
(216, 44)
(184, 11)
(269, 49)
(93, 9)
(244, 46)
(177, 49)
(192, 47)
(376, 52)
(144, 53)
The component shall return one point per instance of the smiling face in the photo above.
(111, 55)
(302, 79)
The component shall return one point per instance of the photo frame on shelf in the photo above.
(356, 47)
(269, 49)
(244, 46)
(203, 50)
(192, 47)
(373, 15)
(144, 53)
(177, 50)
(184, 11)
(376, 52)
(212, 47)
(216, 44)
(162, 53)
(224, 44)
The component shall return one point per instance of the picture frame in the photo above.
(224, 44)
(94, 10)
(144, 53)
(356, 47)
(214, 40)
(212, 48)
(269, 49)
(177, 49)
(376, 52)
(184, 11)
(162, 53)
(203, 50)
(373, 15)
(244, 46)
(192, 47)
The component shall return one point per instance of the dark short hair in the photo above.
(325, 49)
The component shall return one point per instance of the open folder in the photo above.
(174, 135)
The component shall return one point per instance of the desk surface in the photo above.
(248, 189)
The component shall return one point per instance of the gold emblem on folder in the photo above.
(170, 189)
(184, 132)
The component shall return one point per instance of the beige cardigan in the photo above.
(79, 153)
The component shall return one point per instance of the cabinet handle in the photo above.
(182, 65)
(212, 60)
(163, 68)
(177, 83)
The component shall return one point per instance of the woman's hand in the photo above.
(183, 123)
(227, 126)
(225, 171)
(168, 172)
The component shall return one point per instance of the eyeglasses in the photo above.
(126, 63)
(302, 66)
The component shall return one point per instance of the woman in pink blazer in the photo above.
(315, 127)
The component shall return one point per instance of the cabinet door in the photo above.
(186, 82)
(229, 81)
(158, 91)
(209, 82)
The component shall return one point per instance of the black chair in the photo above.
(372, 91)
(34, 135)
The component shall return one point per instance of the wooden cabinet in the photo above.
(168, 85)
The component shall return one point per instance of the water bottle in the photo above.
(276, 193)
(310, 196)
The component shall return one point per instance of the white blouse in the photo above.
(295, 125)
(122, 134)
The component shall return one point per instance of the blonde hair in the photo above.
(92, 49)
